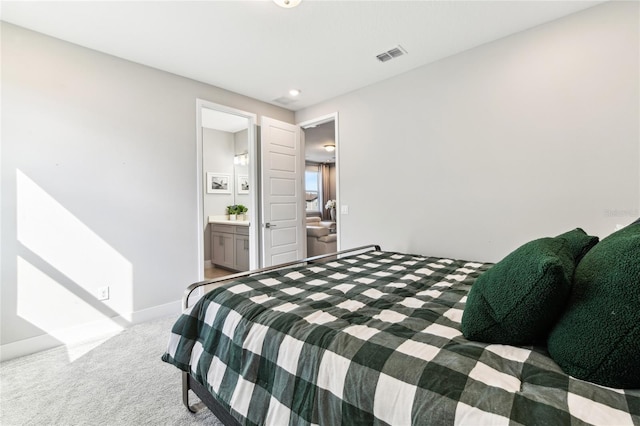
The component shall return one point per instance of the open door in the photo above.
(283, 231)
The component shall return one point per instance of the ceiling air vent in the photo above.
(391, 54)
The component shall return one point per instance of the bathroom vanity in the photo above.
(230, 244)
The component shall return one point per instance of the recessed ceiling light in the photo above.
(288, 4)
(294, 92)
(330, 147)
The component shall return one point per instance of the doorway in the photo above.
(322, 182)
(226, 176)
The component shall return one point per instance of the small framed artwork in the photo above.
(243, 184)
(218, 183)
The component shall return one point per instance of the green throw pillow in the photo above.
(519, 299)
(598, 337)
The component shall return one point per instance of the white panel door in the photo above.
(283, 232)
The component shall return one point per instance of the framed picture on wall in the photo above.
(218, 183)
(243, 184)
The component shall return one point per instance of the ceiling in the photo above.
(223, 121)
(258, 49)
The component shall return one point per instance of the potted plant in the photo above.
(232, 211)
(242, 212)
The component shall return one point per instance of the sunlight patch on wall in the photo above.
(53, 233)
(87, 262)
(62, 314)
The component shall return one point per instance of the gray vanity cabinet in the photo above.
(230, 246)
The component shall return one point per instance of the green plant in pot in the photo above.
(232, 211)
(242, 212)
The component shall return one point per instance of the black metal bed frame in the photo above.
(189, 383)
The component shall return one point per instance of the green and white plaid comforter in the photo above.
(374, 339)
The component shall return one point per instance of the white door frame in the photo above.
(253, 183)
(315, 122)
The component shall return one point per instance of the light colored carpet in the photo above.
(121, 382)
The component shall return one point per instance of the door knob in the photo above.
(268, 225)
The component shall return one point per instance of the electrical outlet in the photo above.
(103, 293)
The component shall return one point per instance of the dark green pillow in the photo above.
(519, 299)
(598, 337)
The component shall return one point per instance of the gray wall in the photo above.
(520, 138)
(98, 186)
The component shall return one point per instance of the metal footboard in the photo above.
(232, 277)
(186, 385)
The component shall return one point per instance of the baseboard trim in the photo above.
(88, 332)
(160, 311)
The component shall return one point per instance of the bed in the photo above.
(370, 337)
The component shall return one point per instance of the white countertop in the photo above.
(223, 220)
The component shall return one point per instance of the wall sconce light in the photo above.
(241, 159)
(330, 147)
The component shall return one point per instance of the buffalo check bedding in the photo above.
(374, 339)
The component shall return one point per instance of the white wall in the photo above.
(520, 138)
(98, 188)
